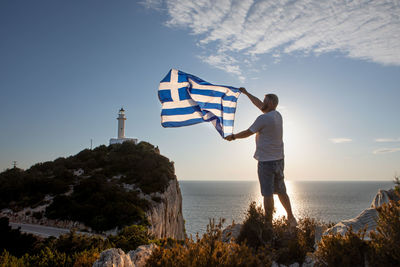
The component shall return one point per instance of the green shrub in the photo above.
(286, 245)
(207, 251)
(338, 250)
(97, 200)
(397, 184)
(8, 260)
(385, 241)
(99, 204)
(256, 230)
(48, 258)
(75, 243)
(13, 240)
(86, 258)
(352, 250)
(131, 237)
(74, 249)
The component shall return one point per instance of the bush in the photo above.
(258, 244)
(131, 237)
(97, 200)
(100, 205)
(385, 245)
(256, 230)
(207, 251)
(338, 250)
(86, 258)
(47, 258)
(8, 260)
(286, 244)
(72, 249)
(352, 250)
(397, 184)
(50, 258)
(13, 240)
(75, 243)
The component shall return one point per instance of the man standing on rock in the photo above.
(269, 153)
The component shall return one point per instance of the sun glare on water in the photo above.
(279, 209)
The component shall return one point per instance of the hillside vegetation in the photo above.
(103, 196)
(259, 244)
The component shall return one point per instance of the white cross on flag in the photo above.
(187, 100)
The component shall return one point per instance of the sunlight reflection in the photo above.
(279, 209)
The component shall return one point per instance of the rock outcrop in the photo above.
(165, 216)
(367, 217)
(115, 257)
(231, 232)
(141, 254)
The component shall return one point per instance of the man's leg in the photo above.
(266, 178)
(281, 191)
(269, 207)
(284, 198)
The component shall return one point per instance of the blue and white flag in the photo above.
(187, 100)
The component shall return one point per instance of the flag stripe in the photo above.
(219, 113)
(181, 123)
(210, 99)
(216, 106)
(183, 117)
(191, 102)
(180, 111)
(226, 112)
(214, 87)
(211, 92)
(167, 86)
(208, 117)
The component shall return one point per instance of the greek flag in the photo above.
(187, 100)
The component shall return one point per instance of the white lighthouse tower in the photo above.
(121, 123)
(121, 130)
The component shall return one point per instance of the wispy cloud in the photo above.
(365, 29)
(387, 140)
(340, 140)
(224, 62)
(152, 4)
(386, 150)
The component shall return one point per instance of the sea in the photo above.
(328, 201)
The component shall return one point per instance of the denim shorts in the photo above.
(270, 175)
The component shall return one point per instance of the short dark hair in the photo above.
(273, 98)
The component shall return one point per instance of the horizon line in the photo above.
(289, 180)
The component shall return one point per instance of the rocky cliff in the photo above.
(165, 216)
(100, 190)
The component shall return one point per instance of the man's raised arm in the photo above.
(257, 102)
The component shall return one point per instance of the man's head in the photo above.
(270, 102)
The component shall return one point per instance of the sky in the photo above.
(67, 67)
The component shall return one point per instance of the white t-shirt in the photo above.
(269, 143)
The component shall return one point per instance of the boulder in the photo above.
(113, 257)
(141, 254)
(367, 217)
(116, 257)
(231, 232)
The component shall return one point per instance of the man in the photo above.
(269, 153)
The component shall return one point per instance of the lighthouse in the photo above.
(121, 130)
(121, 123)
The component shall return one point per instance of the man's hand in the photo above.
(257, 102)
(229, 137)
(243, 90)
